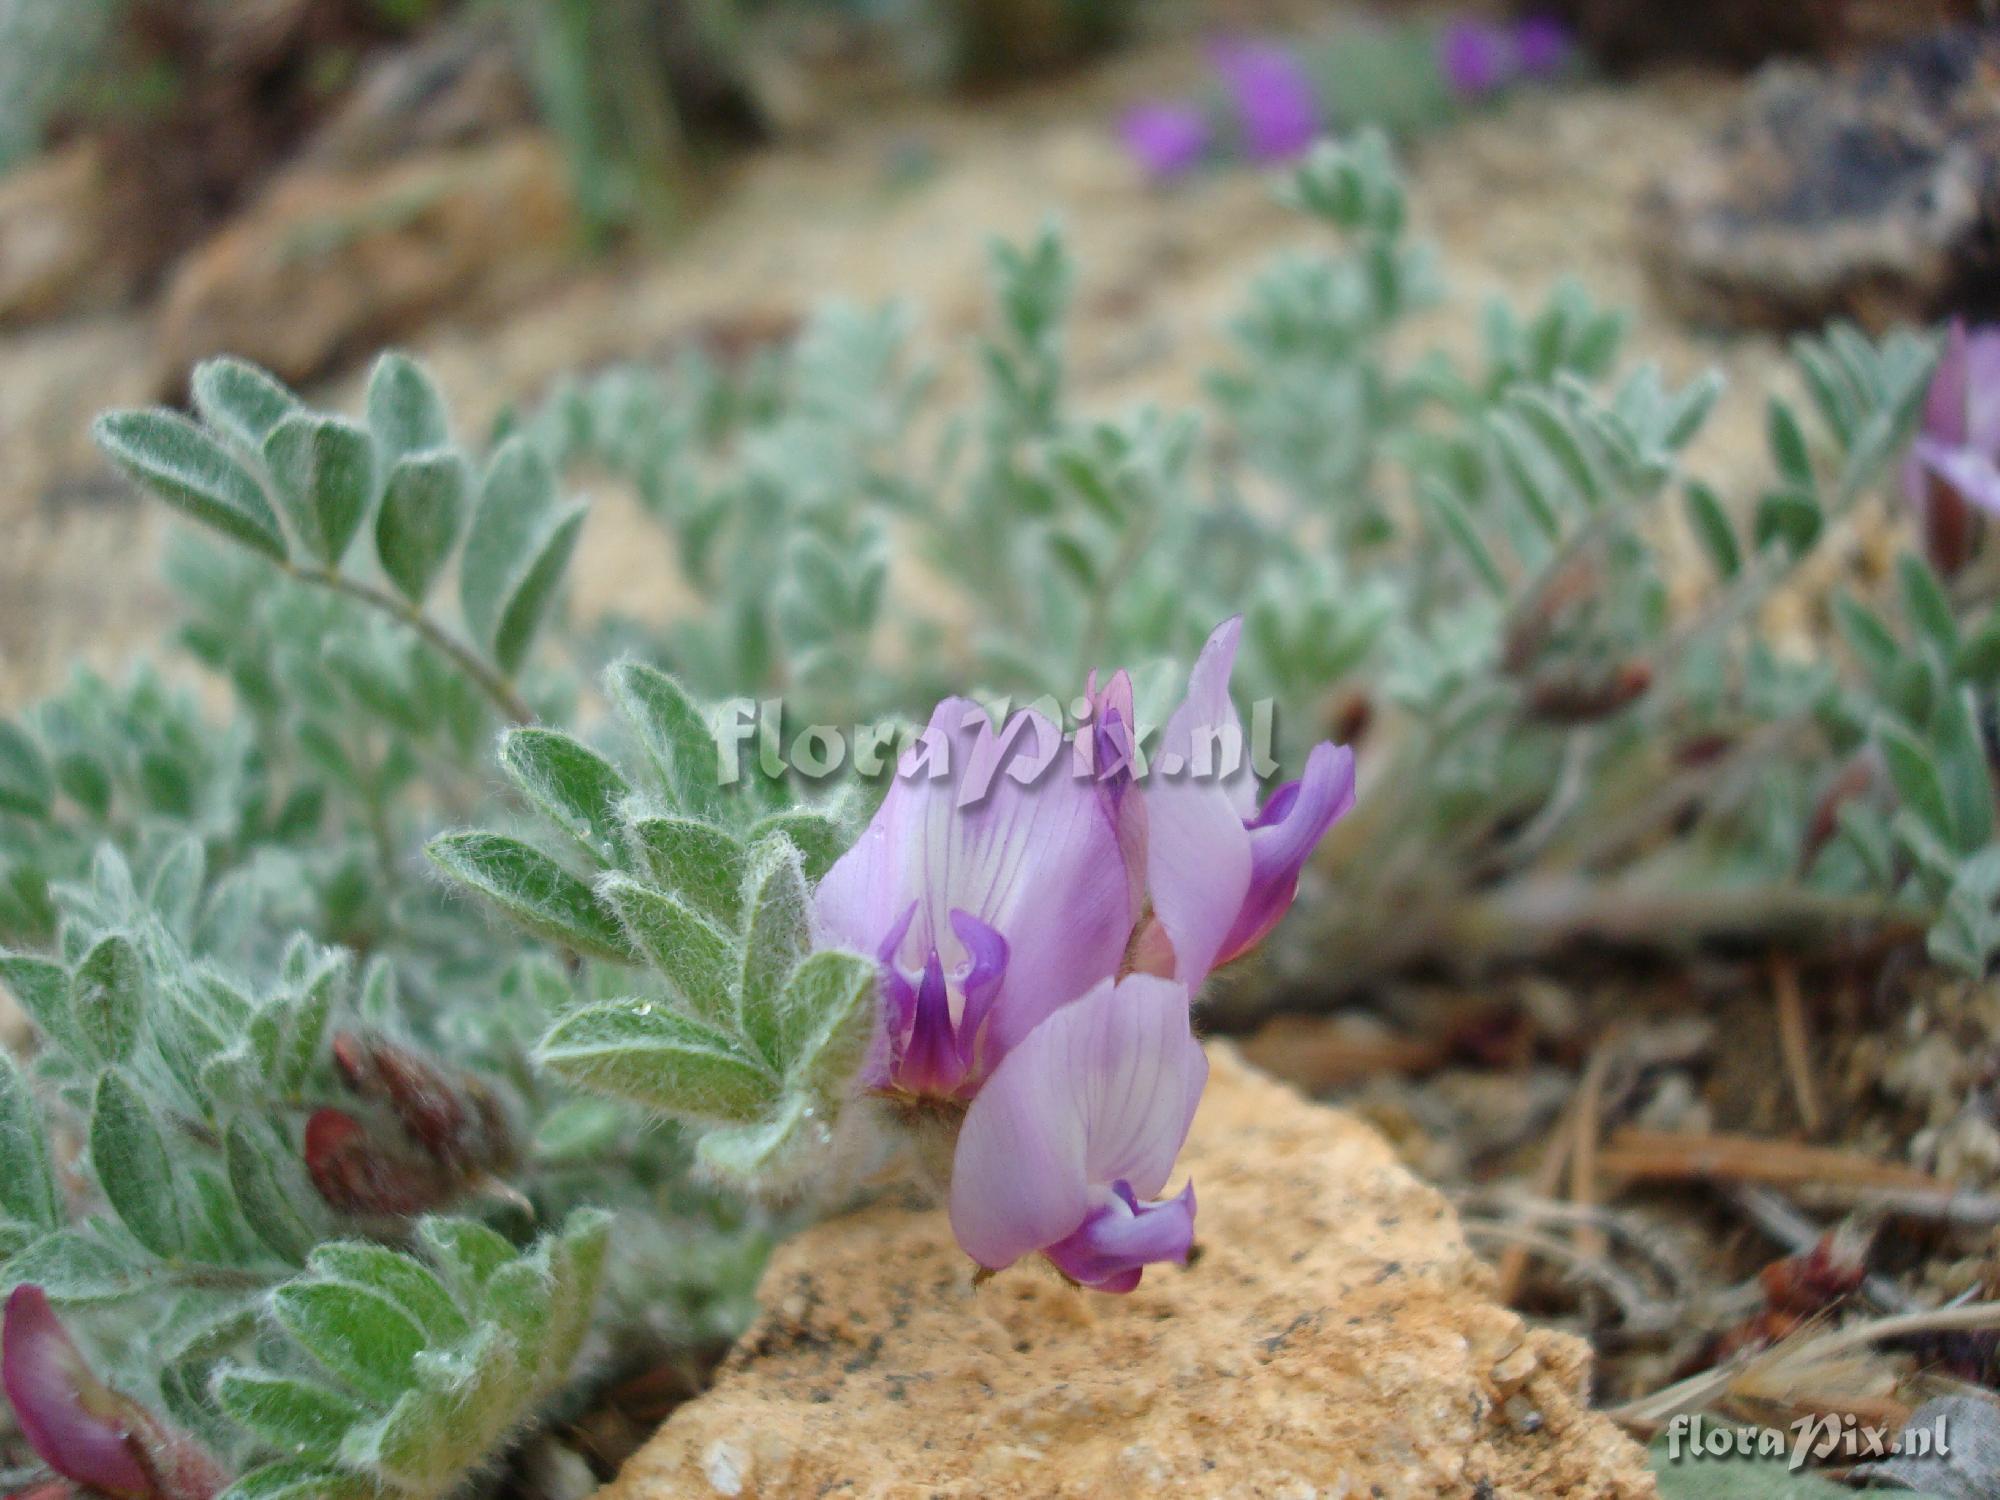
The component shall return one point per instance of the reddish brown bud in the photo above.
(357, 1175)
(1576, 698)
(1852, 780)
(1351, 716)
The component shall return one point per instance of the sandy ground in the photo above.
(897, 205)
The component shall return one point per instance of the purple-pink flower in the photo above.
(1542, 46)
(81, 1428)
(1220, 870)
(1167, 139)
(1476, 57)
(989, 902)
(1271, 95)
(1042, 914)
(1065, 1149)
(1954, 463)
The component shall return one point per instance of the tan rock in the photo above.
(58, 252)
(1333, 1337)
(333, 262)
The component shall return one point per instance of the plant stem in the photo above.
(496, 687)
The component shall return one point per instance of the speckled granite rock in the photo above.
(1333, 1337)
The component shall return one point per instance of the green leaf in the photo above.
(176, 886)
(323, 470)
(1788, 517)
(576, 787)
(406, 1282)
(1924, 599)
(777, 936)
(1713, 529)
(767, 1155)
(644, 1052)
(423, 509)
(42, 989)
(820, 837)
(27, 1182)
(1739, 1478)
(73, 1265)
(301, 1417)
(27, 786)
(1962, 765)
(405, 412)
(239, 401)
(129, 1157)
(826, 1020)
(531, 600)
(356, 1334)
(270, 1185)
(1978, 659)
(671, 731)
(467, 1252)
(1451, 516)
(697, 861)
(696, 958)
(1916, 778)
(1520, 458)
(300, 1479)
(85, 782)
(576, 1266)
(1967, 933)
(465, 1401)
(1690, 410)
(1554, 428)
(287, 1035)
(533, 890)
(518, 546)
(518, 1299)
(110, 997)
(189, 470)
(1868, 636)
(1788, 446)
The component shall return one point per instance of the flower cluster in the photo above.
(1040, 939)
(1270, 101)
(1478, 58)
(1953, 468)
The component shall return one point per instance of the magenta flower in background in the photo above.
(1220, 870)
(989, 902)
(1169, 140)
(1065, 1149)
(1953, 468)
(1476, 57)
(1271, 95)
(1542, 46)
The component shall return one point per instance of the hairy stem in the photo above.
(496, 687)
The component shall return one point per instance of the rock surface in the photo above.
(1630, 33)
(334, 262)
(1333, 1337)
(1867, 191)
(58, 250)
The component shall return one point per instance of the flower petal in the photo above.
(1167, 139)
(1277, 107)
(79, 1428)
(1972, 475)
(1283, 838)
(1946, 405)
(1122, 1236)
(1103, 1091)
(1197, 852)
